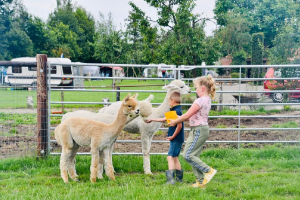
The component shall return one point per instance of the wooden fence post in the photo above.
(42, 108)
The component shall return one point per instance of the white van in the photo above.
(26, 76)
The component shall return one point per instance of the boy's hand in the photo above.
(169, 138)
(148, 121)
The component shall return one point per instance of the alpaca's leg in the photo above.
(146, 144)
(100, 166)
(109, 170)
(110, 153)
(67, 146)
(72, 162)
(63, 166)
(94, 165)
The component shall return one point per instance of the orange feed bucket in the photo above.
(56, 112)
(171, 115)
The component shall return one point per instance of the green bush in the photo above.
(237, 75)
(187, 99)
(287, 107)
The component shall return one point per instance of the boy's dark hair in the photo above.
(176, 97)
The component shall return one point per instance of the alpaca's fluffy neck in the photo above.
(120, 121)
(164, 107)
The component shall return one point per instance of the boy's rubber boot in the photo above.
(179, 175)
(170, 177)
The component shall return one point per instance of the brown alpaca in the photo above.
(75, 132)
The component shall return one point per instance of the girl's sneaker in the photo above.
(208, 176)
(198, 185)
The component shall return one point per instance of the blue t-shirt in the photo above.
(180, 136)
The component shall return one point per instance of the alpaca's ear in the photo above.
(151, 96)
(170, 86)
(135, 96)
(126, 98)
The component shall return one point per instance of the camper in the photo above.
(26, 76)
(160, 72)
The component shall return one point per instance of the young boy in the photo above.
(176, 138)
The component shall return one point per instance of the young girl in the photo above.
(198, 117)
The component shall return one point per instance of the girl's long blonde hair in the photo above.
(208, 82)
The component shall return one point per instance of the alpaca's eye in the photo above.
(182, 87)
(129, 106)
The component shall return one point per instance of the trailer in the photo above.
(26, 75)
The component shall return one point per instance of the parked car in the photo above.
(269, 85)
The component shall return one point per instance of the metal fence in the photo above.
(20, 109)
(27, 131)
(238, 129)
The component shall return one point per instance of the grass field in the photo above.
(17, 98)
(271, 172)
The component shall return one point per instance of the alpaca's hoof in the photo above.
(100, 177)
(93, 180)
(148, 172)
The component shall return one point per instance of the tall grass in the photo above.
(271, 172)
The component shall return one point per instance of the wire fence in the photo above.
(245, 112)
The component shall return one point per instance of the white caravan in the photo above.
(26, 75)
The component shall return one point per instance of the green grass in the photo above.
(17, 119)
(227, 111)
(267, 173)
(290, 124)
(221, 126)
(17, 98)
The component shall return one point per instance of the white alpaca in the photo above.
(76, 131)
(144, 107)
(147, 130)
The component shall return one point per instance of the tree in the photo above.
(235, 39)
(145, 37)
(182, 36)
(257, 54)
(67, 41)
(14, 40)
(86, 34)
(110, 44)
(267, 16)
(81, 30)
(286, 45)
(5, 25)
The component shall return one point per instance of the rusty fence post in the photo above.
(42, 108)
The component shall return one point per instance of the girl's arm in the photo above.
(193, 109)
(156, 120)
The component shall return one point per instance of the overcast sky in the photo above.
(119, 9)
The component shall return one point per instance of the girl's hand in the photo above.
(171, 123)
(169, 138)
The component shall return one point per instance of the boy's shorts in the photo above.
(175, 148)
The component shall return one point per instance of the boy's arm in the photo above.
(156, 120)
(177, 130)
